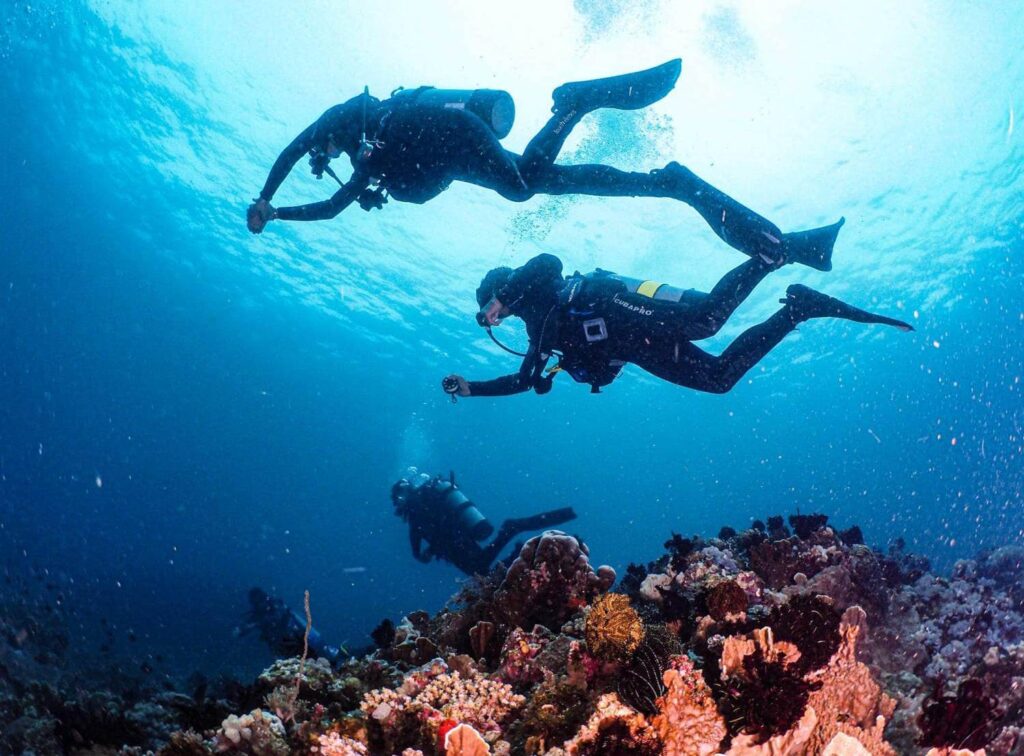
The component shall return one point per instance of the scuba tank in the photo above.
(454, 504)
(652, 289)
(495, 107)
(457, 506)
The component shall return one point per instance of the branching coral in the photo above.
(411, 715)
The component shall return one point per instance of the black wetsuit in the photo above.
(654, 334)
(430, 521)
(423, 148)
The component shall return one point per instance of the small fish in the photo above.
(353, 570)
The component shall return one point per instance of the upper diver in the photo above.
(597, 323)
(440, 514)
(414, 144)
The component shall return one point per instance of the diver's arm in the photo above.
(415, 539)
(328, 208)
(504, 386)
(538, 271)
(530, 376)
(292, 154)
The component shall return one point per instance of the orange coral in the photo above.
(688, 721)
(614, 630)
(847, 702)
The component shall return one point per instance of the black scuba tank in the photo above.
(463, 512)
(495, 107)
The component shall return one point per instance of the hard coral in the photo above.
(614, 728)
(613, 629)
(549, 581)
(843, 698)
(257, 733)
(411, 715)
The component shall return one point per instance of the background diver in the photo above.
(599, 322)
(284, 629)
(440, 514)
(414, 144)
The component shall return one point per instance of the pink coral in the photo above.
(550, 580)
(413, 714)
(519, 664)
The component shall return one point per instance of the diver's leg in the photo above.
(684, 364)
(805, 303)
(743, 229)
(543, 149)
(597, 180)
(513, 526)
(707, 313)
(575, 99)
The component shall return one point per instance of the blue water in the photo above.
(187, 410)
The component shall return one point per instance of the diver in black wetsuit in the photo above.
(598, 323)
(284, 630)
(440, 514)
(413, 145)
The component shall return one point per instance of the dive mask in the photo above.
(481, 317)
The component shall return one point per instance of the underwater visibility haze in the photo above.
(188, 410)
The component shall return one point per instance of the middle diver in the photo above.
(440, 514)
(597, 323)
(414, 144)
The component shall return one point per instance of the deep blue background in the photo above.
(187, 411)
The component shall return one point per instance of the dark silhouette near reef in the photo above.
(453, 528)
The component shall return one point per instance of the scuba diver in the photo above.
(283, 629)
(414, 144)
(597, 323)
(440, 514)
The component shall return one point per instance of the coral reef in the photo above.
(779, 639)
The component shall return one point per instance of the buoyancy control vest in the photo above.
(582, 336)
(583, 332)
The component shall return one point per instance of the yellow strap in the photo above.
(648, 288)
(554, 369)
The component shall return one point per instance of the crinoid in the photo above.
(614, 630)
(812, 624)
(726, 597)
(961, 721)
(640, 684)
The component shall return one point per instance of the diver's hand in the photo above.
(372, 199)
(260, 213)
(455, 384)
